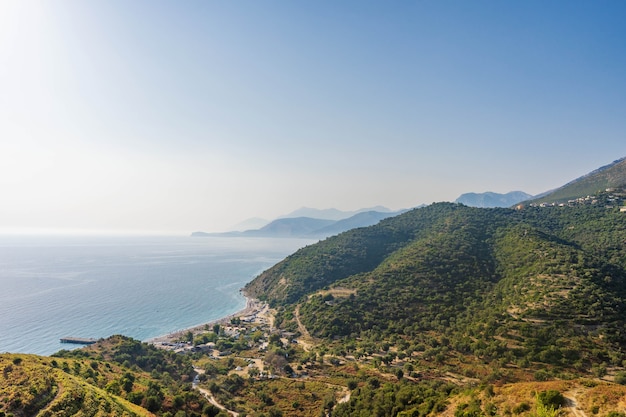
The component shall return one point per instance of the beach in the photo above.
(253, 310)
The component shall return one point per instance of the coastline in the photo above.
(253, 307)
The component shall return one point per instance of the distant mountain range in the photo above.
(491, 200)
(326, 223)
(332, 213)
(314, 223)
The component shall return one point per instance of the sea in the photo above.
(143, 287)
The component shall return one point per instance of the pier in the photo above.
(78, 340)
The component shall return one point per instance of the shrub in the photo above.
(521, 407)
(620, 378)
(551, 398)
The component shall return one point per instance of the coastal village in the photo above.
(255, 319)
(246, 346)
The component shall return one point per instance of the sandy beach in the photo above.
(253, 307)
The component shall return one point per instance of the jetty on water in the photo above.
(78, 340)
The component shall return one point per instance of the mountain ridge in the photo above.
(490, 199)
(609, 176)
(307, 227)
(331, 213)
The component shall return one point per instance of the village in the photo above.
(611, 198)
(250, 330)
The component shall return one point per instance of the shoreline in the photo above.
(252, 308)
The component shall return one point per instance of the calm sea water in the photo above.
(143, 287)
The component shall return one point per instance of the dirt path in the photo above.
(59, 394)
(306, 341)
(571, 404)
(209, 395)
(345, 397)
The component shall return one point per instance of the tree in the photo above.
(210, 410)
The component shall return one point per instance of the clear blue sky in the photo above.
(172, 117)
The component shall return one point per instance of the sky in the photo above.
(169, 117)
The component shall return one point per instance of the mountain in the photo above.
(307, 227)
(551, 284)
(361, 219)
(609, 176)
(332, 213)
(291, 227)
(490, 200)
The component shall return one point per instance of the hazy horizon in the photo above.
(155, 117)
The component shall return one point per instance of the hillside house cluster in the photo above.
(610, 198)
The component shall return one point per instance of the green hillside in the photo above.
(115, 377)
(335, 258)
(540, 285)
(32, 385)
(609, 176)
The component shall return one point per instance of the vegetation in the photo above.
(609, 176)
(117, 376)
(444, 310)
(33, 385)
(520, 286)
(479, 295)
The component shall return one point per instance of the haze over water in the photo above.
(143, 287)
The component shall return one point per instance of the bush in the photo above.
(620, 378)
(521, 407)
(551, 398)
(469, 410)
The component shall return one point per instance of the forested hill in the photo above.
(365, 249)
(545, 284)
